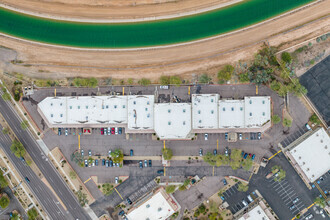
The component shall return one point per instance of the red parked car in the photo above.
(250, 155)
(102, 131)
(112, 130)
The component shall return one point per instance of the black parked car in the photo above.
(160, 171)
(149, 163)
(131, 152)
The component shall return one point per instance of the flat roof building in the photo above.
(140, 112)
(205, 111)
(257, 213)
(159, 206)
(173, 120)
(310, 154)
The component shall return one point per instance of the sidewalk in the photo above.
(160, 158)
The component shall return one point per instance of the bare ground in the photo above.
(183, 60)
(115, 9)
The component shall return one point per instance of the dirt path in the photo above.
(194, 58)
(108, 11)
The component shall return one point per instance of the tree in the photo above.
(17, 148)
(209, 158)
(144, 82)
(107, 189)
(286, 57)
(4, 201)
(296, 88)
(73, 175)
(24, 124)
(276, 119)
(247, 164)
(225, 73)
(130, 81)
(176, 80)
(32, 214)
(186, 182)
(3, 181)
(258, 76)
(242, 187)
(275, 85)
(314, 119)
(283, 90)
(167, 153)
(287, 122)
(14, 216)
(204, 78)
(182, 188)
(280, 176)
(244, 77)
(320, 202)
(164, 80)
(213, 216)
(5, 130)
(6, 96)
(170, 189)
(82, 198)
(235, 159)
(117, 156)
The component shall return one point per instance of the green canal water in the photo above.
(142, 34)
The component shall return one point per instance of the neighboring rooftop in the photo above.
(140, 112)
(205, 111)
(257, 111)
(159, 206)
(172, 120)
(231, 114)
(317, 81)
(311, 155)
(257, 213)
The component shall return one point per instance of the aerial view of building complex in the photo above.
(164, 109)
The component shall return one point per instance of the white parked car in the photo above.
(116, 130)
(206, 136)
(116, 179)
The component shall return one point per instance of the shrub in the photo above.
(225, 73)
(204, 78)
(244, 77)
(276, 119)
(130, 81)
(164, 80)
(287, 122)
(170, 189)
(242, 187)
(167, 153)
(176, 80)
(4, 201)
(32, 214)
(144, 82)
(314, 119)
(286, 57)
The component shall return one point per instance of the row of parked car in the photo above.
(146, 163)
(109, 131)
(246, 155)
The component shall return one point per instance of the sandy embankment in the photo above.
(194, 58)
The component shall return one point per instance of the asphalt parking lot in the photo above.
(294, 136)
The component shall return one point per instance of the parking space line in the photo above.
(118, 193)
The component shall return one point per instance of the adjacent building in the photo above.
(157, 205)
(310, 154)
(177, 121)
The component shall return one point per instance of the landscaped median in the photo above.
(70, 176)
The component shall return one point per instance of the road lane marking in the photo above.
(119, 194)
(275, 154)
(88, 180)
(123, 90)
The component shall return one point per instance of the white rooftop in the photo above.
(313, 154)
(172, 120)
(231, 114)
(140, 112)
(257, 111)
(257, 213)
(86, 110)
(205, 111)
(159, 206)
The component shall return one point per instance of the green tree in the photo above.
(144, 82)
(247, 164)
(167, 153)
(235, 159)
(5, 130)
(287, 122)
(296, 88)
(275, 85)
(225, 73)
(182, 188)
(73, 175)
(93, 82)
(258, 76)
(244, 77)
(314, 119)
(186, 182)
(77, 82)
(286, 57)
(204, 78)
(170, 189)
(202, 208)
(283, 91)
(107, 189)
(117, 156)
(3, 181)
(14, 216)
(276, 119)
(17, 148)
(164, 80)
(213, 216)
(24, 124)
(242, 187)
(4, 201)
(32, 214)
(130, 81)
(280, 176)
(176, 80)
(320, 202)
(82, 198)
(209, 158)
(6, 96)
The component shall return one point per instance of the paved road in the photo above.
(13, 205)
(47, 199)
